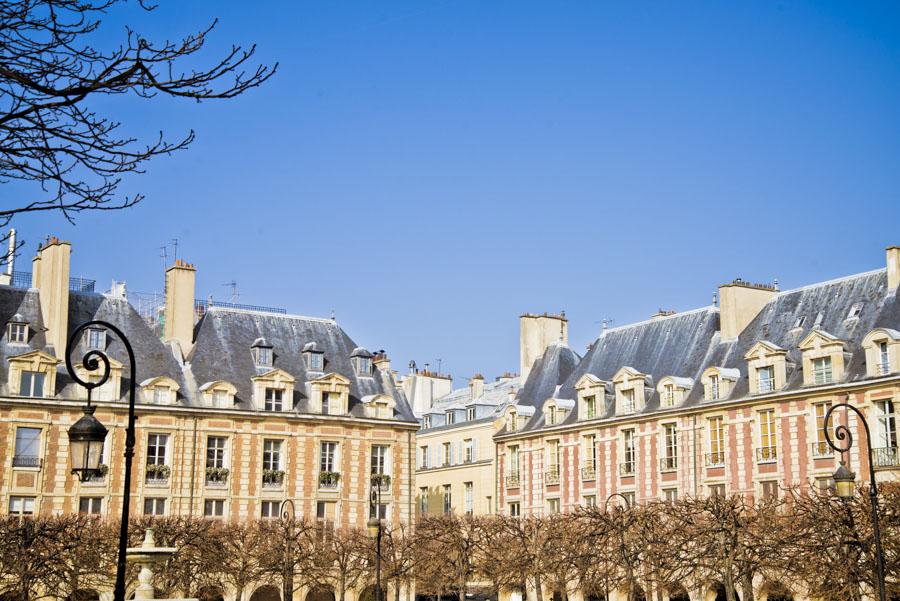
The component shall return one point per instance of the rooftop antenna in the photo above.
(234, 293)
(439, 361)
(175, 250)
(333, 317)
(426, 366)
(715, 299)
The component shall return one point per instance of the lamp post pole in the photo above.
(375, 522)
(629, 573)
(91, 361)
(844, 478)
(287, 586)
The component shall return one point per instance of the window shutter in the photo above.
(474, 450)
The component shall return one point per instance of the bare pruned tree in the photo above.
(50, 131)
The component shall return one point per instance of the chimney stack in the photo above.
(50, 275)
(536, 333)
(739, 303)
(179, 326)
(893, 267)
(6, 278)
(381, 361)
(476, 386)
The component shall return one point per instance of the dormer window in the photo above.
(219, 394)
(17, 330)
(550, 416)
(628, 400)
(718, 382)
(630, 385)
(31, 383)
(591, 395)
(161, 390)
(95, 339)
(450, 418)
(274, 399)
(822, 370)
(426, 421)
(220, 398)
(512, 425)
(313, 358)
(855, 310)
(765, 379)
(262, 353)
(882, 348)
(668, 397)
(590, 407)
(362, 361)
(470, 414)
(714, 387)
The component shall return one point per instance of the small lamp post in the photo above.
(86, 438)
(287, 585)
(845, 480)
(375, 529)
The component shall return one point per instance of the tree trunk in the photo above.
(747, 587)
(538, 588)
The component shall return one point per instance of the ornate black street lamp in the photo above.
(845, 480)
(623, 549)
(375, 529)
(287, 587)
(86, 436)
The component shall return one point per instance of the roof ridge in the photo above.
(833, 281)
(217, 309)
(708, 308)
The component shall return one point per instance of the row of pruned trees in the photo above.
(819, 545)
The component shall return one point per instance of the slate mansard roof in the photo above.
(223, 338)
(685, 344)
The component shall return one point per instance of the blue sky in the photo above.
(430, 170)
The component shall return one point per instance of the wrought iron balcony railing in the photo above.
(589, 471)
(626, 468)
(552, 475)
(512, 480)
(716, 459)
(821, 449)
(766, 454)
(668, 464)
(886, 457)
(26, 461)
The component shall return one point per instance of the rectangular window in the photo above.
(716, 442)
(426, 422)
(767, 437)
(469, 450)
(670, 447)
(424, 455)
(220, 399)
(215, 451)
(551, 416)
(96, 339)
(31, 383)
(820, 446)
(28, 448)
(325, 511)
(155, 506)
(628, 453)
(628, 400)
(378, 512)
(274, 399)
(18, 332)
(326, 403)
(469, 498)
(765, 379)
(822, 370)
(214, 508)
(379, 464)
(590, 407)
(590, 500)
(630, 498)
(90, 505)
(446, 455)
(589, 456)
(21, 506)
(269, 509)
(553, 506)
(272, 455)
(160, 395)
(884, 365)
(514, 461)
(825, 484)
(668, 395)
(885, 453)
(769, 489)
(553, 457)
(714, 387)
(423, 500)
(717, 490)
(156, 448)
(470, 413)
(671, 494)
(448, 499)
(315, 361)
(515, 510)
(451, 418)
(327, 457)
